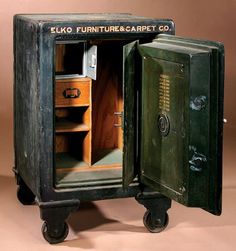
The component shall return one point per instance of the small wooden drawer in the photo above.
(73, 92)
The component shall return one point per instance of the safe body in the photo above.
(114, 105)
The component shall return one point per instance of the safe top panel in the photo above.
(85, 16)
(96, 23)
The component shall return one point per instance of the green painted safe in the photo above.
(111, 106)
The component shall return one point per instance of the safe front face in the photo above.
(147, 110)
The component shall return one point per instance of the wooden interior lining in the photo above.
(61, 143)
(59, 58)
(69, 58)
(120, 119)
(107, 98)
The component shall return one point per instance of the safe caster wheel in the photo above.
(155, 225)
(54, 236)
(24, 195)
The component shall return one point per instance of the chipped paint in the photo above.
(198, 103)
(197, 161)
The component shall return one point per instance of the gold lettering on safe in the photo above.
(164, 93)
(109, 28)
(61, 30)
(104, 29)
(128, 28)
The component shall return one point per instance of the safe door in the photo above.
(178, 85)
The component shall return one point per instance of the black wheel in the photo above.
(156, 227)
(55, 236)
(25, 196)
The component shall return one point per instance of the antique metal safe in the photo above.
(108, 107)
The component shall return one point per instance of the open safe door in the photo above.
(130, 115)
(181, 120)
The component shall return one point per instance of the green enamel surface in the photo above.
(165, 160)
(216, 51)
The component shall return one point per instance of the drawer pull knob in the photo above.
(71, 93)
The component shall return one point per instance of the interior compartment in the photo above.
(72, 119)
(69, 58)
(107, 100)
(89, 139)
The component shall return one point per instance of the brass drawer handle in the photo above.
(71, 93)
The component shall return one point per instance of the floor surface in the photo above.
(117, 224)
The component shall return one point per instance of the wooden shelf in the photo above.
(72, 105)
(69, 126)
